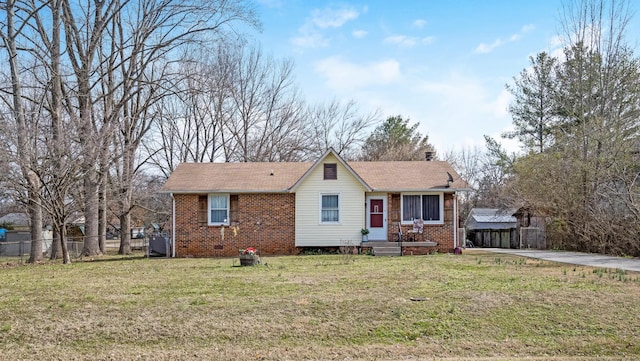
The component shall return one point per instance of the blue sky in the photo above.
(443, 64)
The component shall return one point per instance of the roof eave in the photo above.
(435, 189)
(225, 191)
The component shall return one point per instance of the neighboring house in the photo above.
(283, 208)
(18, 221)
(18, 237)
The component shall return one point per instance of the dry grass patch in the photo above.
(475, 306)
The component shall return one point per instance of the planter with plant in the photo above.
(365, 234)
(249, 257)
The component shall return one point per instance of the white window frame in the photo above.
(440, 205)
(228, 197)
(320, 208)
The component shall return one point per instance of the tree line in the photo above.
(576, 114)
(101, 99)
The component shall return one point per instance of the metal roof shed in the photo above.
(492, 227)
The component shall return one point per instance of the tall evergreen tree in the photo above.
(534, 106)
(395, 139)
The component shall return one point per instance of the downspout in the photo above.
(455, 220)
(173, 226)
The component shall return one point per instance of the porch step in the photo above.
(387, 251)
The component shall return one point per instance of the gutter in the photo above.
(413, 190)
(173, 226)
(230, 191)
(455, 220)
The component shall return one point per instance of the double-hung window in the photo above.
(219, 209)
(329, 208)
(427, 207)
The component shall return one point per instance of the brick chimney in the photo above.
(429, 155)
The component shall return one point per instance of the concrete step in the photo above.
(387, 251)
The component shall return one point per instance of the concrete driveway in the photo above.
(584, 259)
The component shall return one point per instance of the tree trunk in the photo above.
(91, 244)
(66, 258)
(25, 152)
(56, 244)
(125, 234)
(102, 216)
(35, 211)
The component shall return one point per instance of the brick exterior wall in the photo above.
(440, 233)
(263, 221)
(267, 222)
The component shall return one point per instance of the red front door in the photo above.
(377, 218)
(376, 213)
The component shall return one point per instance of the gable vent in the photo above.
(330, 171)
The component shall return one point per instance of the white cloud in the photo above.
(501, 104)
(332, 18)
(419, 23)
(401, 40)
(310, 34)
(311, 40)
(456, 110)
(359, 34)
(407, 41)
(428, 40)
(487, 48)
(556, 41)
(271, 3)
(342, 75)
(484, 48)
(528, 28)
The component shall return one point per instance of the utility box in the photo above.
(159, 245)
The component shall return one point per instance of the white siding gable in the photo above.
(310, 230)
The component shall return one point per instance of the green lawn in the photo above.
(475, 306)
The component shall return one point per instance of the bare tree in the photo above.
(267, 123)
(189, 123)
(145, 39)
(340, 126)
(474, 166)
(234, 105)
(121, 54)
(84, 29)
(26, 136)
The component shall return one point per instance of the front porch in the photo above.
(383, 248)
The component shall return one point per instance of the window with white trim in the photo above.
(329, 208)
(427, 207)
(219, 209)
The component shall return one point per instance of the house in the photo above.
(283, 208)
(16, 221)
(15, 235)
